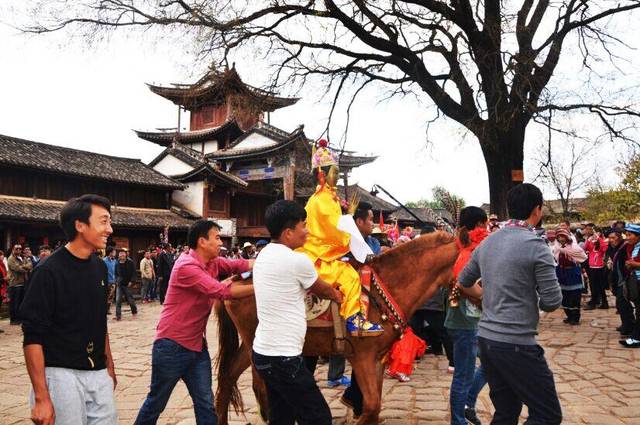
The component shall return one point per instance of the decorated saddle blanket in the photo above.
(318, 310)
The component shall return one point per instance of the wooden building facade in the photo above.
(36, 179)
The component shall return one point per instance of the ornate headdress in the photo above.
(321, 156)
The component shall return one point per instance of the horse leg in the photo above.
(225, 385)
(260, 391)
(369, 372)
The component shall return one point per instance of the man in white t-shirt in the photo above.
(281, 278)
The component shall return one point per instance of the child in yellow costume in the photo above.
(326, 245)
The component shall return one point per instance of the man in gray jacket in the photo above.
(518, 279)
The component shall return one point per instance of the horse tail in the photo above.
(228, 348)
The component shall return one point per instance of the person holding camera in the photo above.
(596, 247)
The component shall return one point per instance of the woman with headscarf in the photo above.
(462, 321)
(569, 256)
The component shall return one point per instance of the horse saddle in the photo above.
(318, 311)
(326, 314)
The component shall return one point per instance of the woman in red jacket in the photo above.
(596, 248)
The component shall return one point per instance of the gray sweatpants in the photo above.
(81, 397)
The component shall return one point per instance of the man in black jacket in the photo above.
(165, 265)
(66, 344)
(125, 272)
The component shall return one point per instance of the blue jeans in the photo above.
(465, 350)
(152, 289)
(479, 381)
(170, 363)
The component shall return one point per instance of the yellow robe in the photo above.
(326, 245)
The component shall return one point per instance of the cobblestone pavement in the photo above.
(598, 381)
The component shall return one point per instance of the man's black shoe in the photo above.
(630, 343)
(589, 307)
(566, 320)
(1, 331)
(471, 417)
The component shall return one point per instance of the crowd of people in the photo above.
(505, 274)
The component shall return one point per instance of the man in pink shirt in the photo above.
(180, 349)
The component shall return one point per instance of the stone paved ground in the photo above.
(597, 380)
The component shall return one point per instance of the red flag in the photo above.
(381, 221)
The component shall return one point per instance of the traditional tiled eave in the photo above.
(206, 170)
(280, 142)
(354, 161)
(43, 157)
(20, 209)
(214, 87)
(230, 130)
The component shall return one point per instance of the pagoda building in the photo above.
(232, 161)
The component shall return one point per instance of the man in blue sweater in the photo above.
(518, 279)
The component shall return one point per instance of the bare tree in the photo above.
(568, 175)
(485, 64)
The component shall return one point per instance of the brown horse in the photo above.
(412, 272)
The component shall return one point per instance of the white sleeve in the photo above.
(304, 271)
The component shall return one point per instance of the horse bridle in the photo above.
(392, 311)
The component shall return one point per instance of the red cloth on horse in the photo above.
(404, 353)
(476, 236)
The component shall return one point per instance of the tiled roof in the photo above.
(425, 214)
(55, 159)
(48, 211)
(214, 85)
(268, 130)
(445, 214)
(280, 139)
(353, 161)
(378, 204)
(199, 164)
(184, 154)
(166, 138)
(227, 178)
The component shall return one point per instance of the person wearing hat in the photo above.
(633, 266)
(261, 244)
(569, 256)
(248, 251)
(326, 245)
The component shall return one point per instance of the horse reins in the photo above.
(393, 311)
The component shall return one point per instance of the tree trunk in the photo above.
(503, 154)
